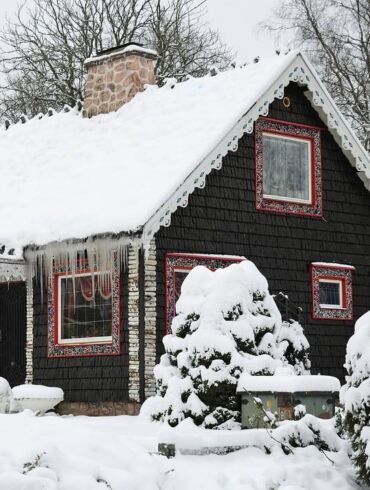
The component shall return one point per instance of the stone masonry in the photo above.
(115, 78)
(150, 318)
(133, 322)
(29, 332)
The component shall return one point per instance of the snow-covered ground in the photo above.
(85, 453)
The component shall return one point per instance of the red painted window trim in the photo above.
(180, 264)
(335, 272)
(299, 131)
(83, 349)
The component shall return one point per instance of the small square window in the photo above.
(288, 168)
(331, 291)
(84, 312)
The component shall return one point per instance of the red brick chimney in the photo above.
(115, 76)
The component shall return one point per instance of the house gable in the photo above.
(301, 72)
(221, 218)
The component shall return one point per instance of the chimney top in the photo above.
(124, 49)
(115, 48)
(116, 75)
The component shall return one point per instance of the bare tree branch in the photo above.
(335, 34)
(44, 47)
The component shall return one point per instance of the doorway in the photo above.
(13, 332)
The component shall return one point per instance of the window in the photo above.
(288, 168)
(84, 308)
(331, 291)
(178, 266)
(84, 313)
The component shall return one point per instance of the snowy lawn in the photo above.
(86, 453)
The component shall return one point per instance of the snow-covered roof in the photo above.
(287, 384)
(65, 176)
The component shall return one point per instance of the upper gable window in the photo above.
(288, 168)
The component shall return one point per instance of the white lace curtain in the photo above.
(286, 169)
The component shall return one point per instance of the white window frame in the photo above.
(85, 340)
(341, 304)
(289, 199)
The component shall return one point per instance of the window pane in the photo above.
(86, 308)
(179, 279)
(286, 169)
(330, 293)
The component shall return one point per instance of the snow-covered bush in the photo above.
(355, 396)
(308, 431)
(227, 324)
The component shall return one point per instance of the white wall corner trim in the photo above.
(150, 319)
(133, 322)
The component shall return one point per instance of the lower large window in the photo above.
(331, 291)
(84, 308)
(84, 311)
(178, 266)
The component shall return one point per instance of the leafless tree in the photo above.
(335, 34)
(43, 48)
(185, 44)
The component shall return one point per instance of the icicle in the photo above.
(96, 255)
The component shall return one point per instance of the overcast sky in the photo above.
(235, 19)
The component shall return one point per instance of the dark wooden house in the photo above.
(256, 162)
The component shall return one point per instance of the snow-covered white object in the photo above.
(7, 402)
(227, 324)
(37, 398)
(288, 384)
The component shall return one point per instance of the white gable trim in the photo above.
(300, 71)
(12, 270)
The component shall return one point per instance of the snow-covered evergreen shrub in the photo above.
(355, 396)
(227, 324)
